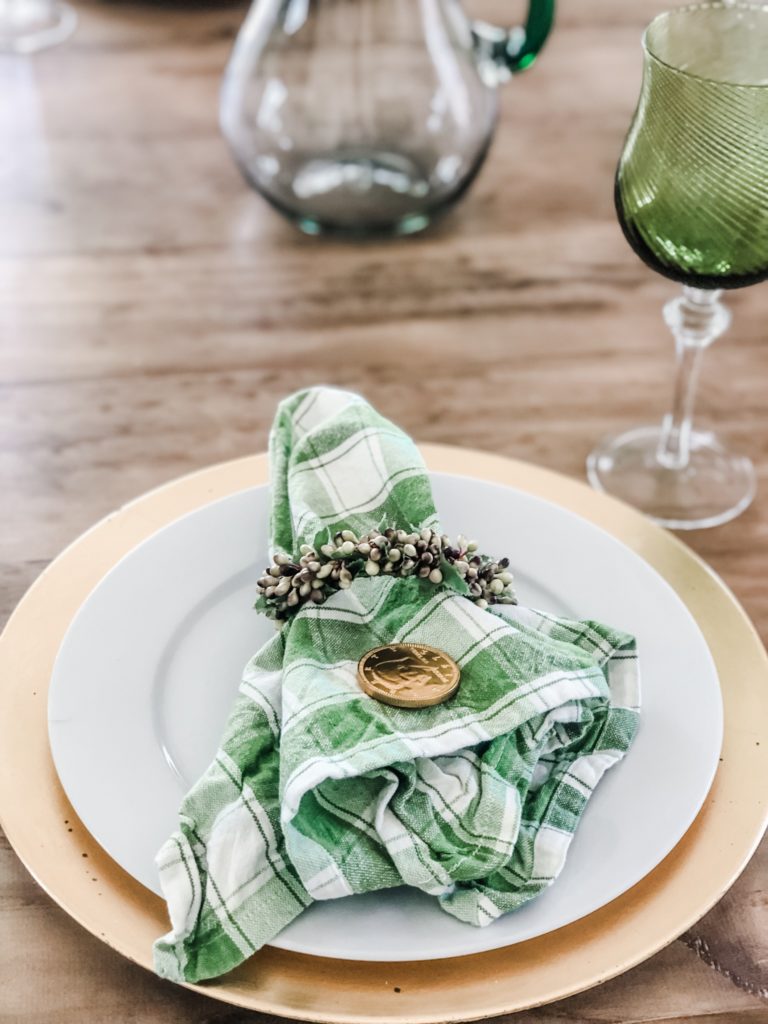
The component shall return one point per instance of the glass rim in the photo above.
(688, 9)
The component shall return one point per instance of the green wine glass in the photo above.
(692, 199)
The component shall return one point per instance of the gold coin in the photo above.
(408, 675)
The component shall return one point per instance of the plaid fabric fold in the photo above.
(319, 791)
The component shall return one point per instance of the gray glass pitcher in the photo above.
(362, 117)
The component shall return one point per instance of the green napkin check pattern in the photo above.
(318, 791)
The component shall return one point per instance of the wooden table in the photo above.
(154, 310)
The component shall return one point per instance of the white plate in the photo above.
(151, 664)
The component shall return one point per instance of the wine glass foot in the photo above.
(714, 487)
(34, 25)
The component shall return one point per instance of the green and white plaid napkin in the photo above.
(318, 791)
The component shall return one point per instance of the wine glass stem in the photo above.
(696, 318)
(674, 448)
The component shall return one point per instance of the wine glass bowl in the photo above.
(691, 196)
(691, 182)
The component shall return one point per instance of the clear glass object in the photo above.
(364, 117)
(27, 26)
(692, 199)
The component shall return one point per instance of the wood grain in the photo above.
(153, 310)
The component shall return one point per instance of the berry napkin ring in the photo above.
(287, 584)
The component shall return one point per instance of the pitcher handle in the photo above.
(503, 52)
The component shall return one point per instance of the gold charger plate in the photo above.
(75, 871)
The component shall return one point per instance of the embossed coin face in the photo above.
(408, 675)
